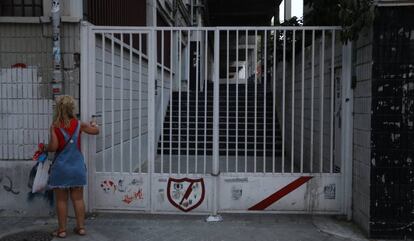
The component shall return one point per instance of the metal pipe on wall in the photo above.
(57, 60)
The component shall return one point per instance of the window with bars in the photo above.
(21, 8)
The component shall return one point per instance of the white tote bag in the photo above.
(42, 177)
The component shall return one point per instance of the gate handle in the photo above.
(215, 175)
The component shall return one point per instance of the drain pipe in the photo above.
(57, 60)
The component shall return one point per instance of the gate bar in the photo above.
(103, 104)
(283, 101)
(122, 103)
(205, 97)
(197, 90)
(162, 102)
(245, 103)
(140, 104)
(112, 103)
(237, 102)
(255, 101)
(179, 102)
(227, 104)
(292, 128)
(274, 100)
(188, 101)
(216, 118)
(303, 102)
(152, 70)
(312, 100)
(128, 29)
(171, 99)
(332, 102)
(130, 101)
(265, 104)
(322, 87)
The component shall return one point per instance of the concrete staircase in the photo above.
(192, 131)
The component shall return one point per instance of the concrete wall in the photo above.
(26, 102)
(362, 129)
(14, 192)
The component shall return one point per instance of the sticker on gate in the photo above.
(185, 194)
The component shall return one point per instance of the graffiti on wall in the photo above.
(129, 191)
(8, 185)
(185, 194)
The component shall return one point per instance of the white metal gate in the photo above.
(207, 120)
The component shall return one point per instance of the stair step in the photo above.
(191, 131)
(222, 120)
(221, 113)
(241, 153)
(201, 120)
(222, 145)
(209, 138)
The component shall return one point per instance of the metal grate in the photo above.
(21, 8)
(28, 235)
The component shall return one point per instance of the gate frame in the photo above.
(88, 108)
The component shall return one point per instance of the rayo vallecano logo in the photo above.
(185, 193)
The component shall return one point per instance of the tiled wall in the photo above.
(25, 94)
(392, 137)
(362, 129)
(25, 115)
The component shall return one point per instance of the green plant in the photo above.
(351, 15)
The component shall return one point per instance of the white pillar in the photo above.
(288, 9)
(151, 12)
(347, 129)
(76, 9)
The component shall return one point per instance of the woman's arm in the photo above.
(53, 142)
(91, 129)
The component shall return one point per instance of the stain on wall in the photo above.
(392, 136)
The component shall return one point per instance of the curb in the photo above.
(331, 226)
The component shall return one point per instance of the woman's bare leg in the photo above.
(76, 195)
(61, 207)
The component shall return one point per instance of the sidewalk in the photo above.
(105, 227)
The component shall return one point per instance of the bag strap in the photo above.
(67, 142)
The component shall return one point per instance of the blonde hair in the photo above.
(64, 111)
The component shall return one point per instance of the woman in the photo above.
(68, 171)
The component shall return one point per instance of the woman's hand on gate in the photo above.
(90, 128)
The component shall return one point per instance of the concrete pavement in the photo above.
(106, 227)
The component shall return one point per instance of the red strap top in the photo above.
(70, 130)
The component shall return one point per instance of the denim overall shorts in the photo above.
(68, 168)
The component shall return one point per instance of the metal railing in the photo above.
(228, 99)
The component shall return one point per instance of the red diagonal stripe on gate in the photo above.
(279, 194)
